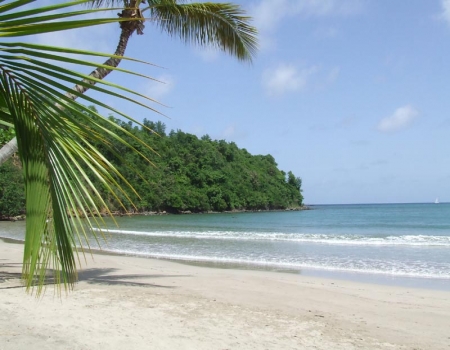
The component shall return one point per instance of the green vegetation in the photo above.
(198, 175)
(55, 136)
(12, 194)
(190, 174)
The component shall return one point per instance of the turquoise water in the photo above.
(371, 242)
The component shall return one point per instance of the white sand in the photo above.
(135, 303)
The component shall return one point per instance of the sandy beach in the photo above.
(125, 302)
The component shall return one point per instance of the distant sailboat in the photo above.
(436, 201)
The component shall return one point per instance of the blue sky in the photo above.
(353, 96)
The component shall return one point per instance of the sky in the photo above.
(352, 96)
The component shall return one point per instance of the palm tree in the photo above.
(55, 134)
(220, 25)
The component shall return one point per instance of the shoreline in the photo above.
(375, 279)
(22, 217)
(128, 302)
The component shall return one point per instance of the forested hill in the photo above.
(190, 174)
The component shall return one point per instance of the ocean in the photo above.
(405, 244)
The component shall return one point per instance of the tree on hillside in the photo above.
(220, 25)
(56, 135)
(190, 174)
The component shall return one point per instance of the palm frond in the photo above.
(214, 24)
(56, 137)
(221, 25)
(29, 22)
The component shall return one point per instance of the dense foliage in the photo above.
(192, 174)
(55, 136)
(188, 174)
(12, 194)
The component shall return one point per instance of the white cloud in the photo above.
(198, 130)
(269, 13)
(231, 132)
(157, 89)
(402, 118)
(445, 10)
(287, 78)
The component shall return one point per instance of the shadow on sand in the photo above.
(101, 276)
(107, 276)
(6, 276)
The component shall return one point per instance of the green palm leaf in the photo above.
(56, 135)
(55, 138)
(220, 25)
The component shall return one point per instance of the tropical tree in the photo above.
(56, 135)
(220, 25)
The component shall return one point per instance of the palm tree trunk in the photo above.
(128, 28)
(100, 73)
(8, 150)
